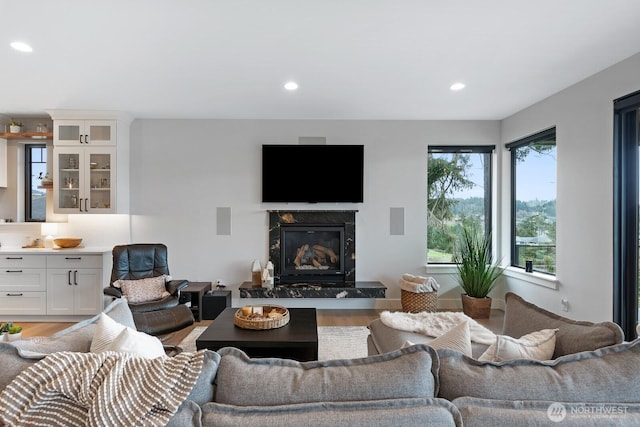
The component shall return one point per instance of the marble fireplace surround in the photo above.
(347, 288)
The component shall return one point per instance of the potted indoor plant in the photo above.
(14, 126)
(10, 332)
(477, 272)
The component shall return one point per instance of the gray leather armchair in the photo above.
(144, 260)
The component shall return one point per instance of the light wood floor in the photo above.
(325, 317)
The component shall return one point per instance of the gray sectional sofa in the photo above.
(599, 384)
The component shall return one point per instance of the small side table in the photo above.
(197, 289)
(214, 303)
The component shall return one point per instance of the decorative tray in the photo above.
(261, 317)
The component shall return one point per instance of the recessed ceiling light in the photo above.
(291, 85)
(22, 47)
(457, 86)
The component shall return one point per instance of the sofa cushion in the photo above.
(77, 337)
(383, 339)
(204, 389)
(522, 317)
(243, 381)
(608, 374)
(538, 345)
(458, 338)
(188, 414)
(478, 412)
(408, 412)
(11, 364)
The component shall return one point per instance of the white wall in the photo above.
(583, 116)
(181, 170)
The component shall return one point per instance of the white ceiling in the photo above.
(353, 59)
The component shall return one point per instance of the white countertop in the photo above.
(46, 251)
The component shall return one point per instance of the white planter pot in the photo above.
(15, 129)
(3, 337)
(14, 337)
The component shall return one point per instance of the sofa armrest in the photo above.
(112, 292)
(174, 286)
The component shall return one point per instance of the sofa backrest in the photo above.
(522, 317)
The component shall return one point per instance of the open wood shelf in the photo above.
(43, 136)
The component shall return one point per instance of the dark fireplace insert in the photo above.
(315, 247)
(311, 253)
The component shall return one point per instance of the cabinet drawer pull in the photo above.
(14, 295)
(75, 277)
(86, 205)
(73, 257)
(13, 257)
(81, 138)
(13, 271)
(86, 139)
(69, 277)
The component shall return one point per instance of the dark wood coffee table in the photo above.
(297, 340)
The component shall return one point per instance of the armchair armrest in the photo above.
(174, 286)
(112, 292)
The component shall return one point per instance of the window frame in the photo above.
(28, 184)
(489, 150)
(520, 143)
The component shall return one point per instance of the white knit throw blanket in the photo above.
(103, 389)
(436, 324)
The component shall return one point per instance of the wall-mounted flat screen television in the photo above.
(312, 173)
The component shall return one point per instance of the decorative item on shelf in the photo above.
(477, 272)
(256, 273)
(45, 180)
(10, 332)
(261, 317)
(48, 230)
(40, 128)
(15, 126)
(67, 242)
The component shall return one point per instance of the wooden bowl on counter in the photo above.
(67, 242)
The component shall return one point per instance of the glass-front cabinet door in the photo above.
(84, 132)
(84, 180)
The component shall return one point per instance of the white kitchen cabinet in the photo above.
(94, 135)
(84, 132)
(74, 284)
(84, 180)
(22, 284)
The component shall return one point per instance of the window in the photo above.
(459, 195)
(533, 201)
(35, 167)
(626, 220)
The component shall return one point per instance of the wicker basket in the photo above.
(262, 323)
(413, 302)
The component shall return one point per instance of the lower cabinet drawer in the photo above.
(23, 303)
(23, 280)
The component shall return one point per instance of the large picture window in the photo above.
(533, 202)
(459, 196)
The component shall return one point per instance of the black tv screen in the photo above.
(312, 173)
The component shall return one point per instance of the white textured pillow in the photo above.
(538, 345)
(139, 343)
(106, 331)
(143, 290)
(457, 338)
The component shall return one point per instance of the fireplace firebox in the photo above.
(312, 247)
(311, 253)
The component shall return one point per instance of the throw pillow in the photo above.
(139, 343)
(143, 290)
(106, 331)
(457, 338)
(538, 345)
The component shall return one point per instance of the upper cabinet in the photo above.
(84, 132)
(87, 146)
